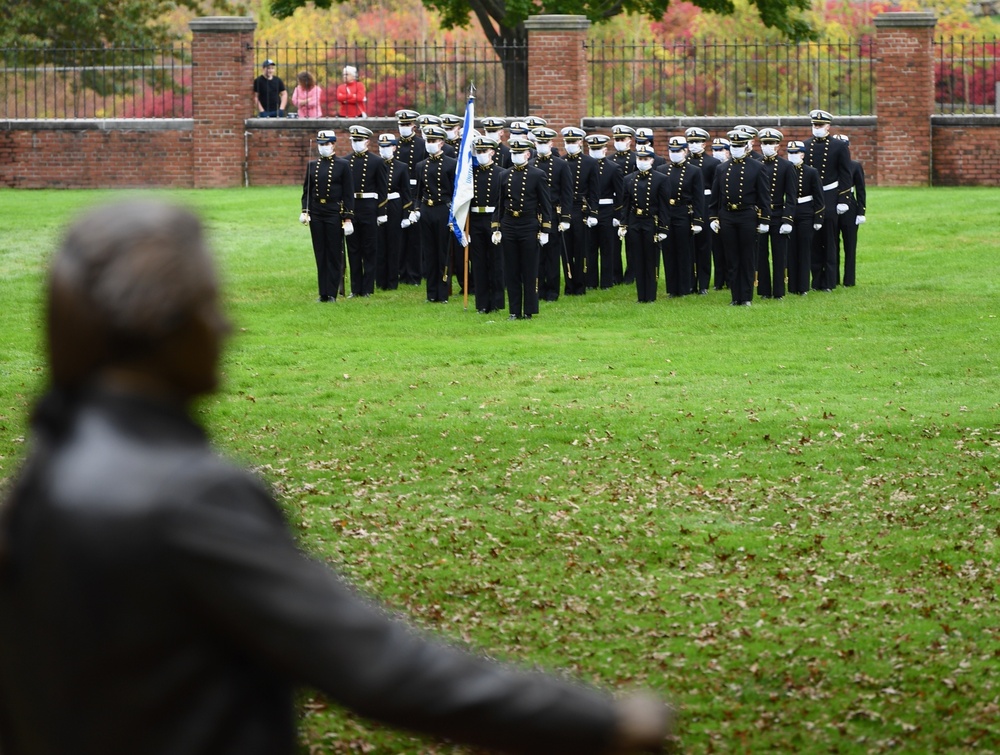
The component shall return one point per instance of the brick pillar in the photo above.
(904, 97)
(222, 93)
(558, 79)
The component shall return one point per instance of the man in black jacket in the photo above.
(850, 221)
(832, 158)
(152, 599)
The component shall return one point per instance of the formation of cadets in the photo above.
(541, 221)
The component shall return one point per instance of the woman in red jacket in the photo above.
(351, 95)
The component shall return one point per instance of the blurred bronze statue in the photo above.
(152, 599)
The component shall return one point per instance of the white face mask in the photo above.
(573, 148)
(544, 148)
(495, 135)
(676, 157)
(738, 152)
(720, 154)
(325, 150)
(696, 147)
(452, 133)
(387, 152)
(644, 165)
(484, 158)
(433, 148)
(821, 131)
(795, 158)
(361, 146)
(519, 158)
(598, 153)
(621, 146)
(769, 150)
(406, 130)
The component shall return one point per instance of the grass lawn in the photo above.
(785, 517)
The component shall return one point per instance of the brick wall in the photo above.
(557, 68)
(965, 150)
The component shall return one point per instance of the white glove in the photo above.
(696, 229)
(659, 237)
(591, 222)
(763, 228)
(496, 237)
(817, 226)
(404, 223)
(785, 229)
(414, 216)
(563, 227)
(615, 222)
(348, 227)
(842, 208)
(543, 238)
(382, 219)
(714, 225)
(304, 218)
(859, 220)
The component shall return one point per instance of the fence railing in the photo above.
(966, 75)
(731, 78)
(428, 78)
(82, 82)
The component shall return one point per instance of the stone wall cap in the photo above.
(218, 24)
(97, 124)
(974, 120)
(556, 22)
(719, 123)
(899, 19)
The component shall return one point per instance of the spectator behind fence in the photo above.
(269, 93)
(351, 95)
(306, 96)
(152, 599)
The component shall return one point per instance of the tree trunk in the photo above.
(511, 46)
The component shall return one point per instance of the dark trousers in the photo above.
(411, 266)
(327, 234)
(824, 251)
(772, 259)
(800, 245)
(644, 251)
(605, 252)
(361, 247)
(677, 258)
(719, 261)
(631, 263)
(549, 263)
(487, 265)
(520, 265)
(738, 231)
(390, 237)
(702, 244)
(435, 249)
(848, 232)
(576, 253)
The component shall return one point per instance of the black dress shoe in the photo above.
(512, 317)
(703, 292)
(526, 317)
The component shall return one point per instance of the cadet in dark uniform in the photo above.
(525, 217)
(583, 215)
(560, 183)
(645, 212)
(720, 151)
(328, 207)
(487, 257)
(808, 218)
(752, 132)
(848, 222)
(781, 181)
(370, 187)
(452, 125)
(622, 138)
(604, 250)
(398, 209)
(697, 138)
(493, 129)
(411, 150)
(435, 187)
(685, 217)
(741, 205)
(832, 158)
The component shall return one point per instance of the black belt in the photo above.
(737, 207)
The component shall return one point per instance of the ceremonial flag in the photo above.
(462, 198)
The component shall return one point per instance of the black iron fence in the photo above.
(428, 78)
(82, 82)
(966, 75)
(731, 78)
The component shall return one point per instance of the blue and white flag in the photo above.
(461, 200)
